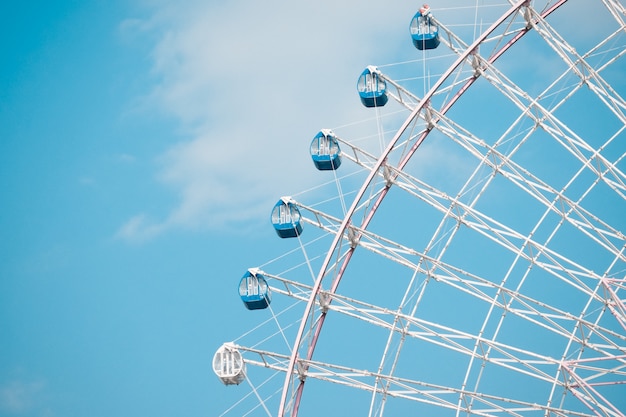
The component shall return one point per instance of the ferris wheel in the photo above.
(466, 253)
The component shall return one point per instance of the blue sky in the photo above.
(83, 317)
(122, 245)
(143, 145)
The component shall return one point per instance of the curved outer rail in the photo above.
(373, 173)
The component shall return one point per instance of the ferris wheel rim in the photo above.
(290, 374)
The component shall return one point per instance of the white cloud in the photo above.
(251, 84)
(86, 181)
(125, 158)
(139, 228)
(17, 397)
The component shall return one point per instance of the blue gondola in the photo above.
(254, 291)
(424, 31)
(372, 88)
(286, 219)
(325, 151)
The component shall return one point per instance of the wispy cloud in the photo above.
(125, 158)
(139, 228)
(251, 83)
(86, 181)
(18, 397)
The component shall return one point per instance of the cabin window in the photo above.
(253, 285)
(285, 214)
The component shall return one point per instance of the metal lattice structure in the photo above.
(479, 243)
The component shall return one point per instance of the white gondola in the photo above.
(228, 365)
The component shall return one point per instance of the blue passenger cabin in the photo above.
(424, 31)
(286, 219)
(372, 88)
(325, 151)
(254, 291)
